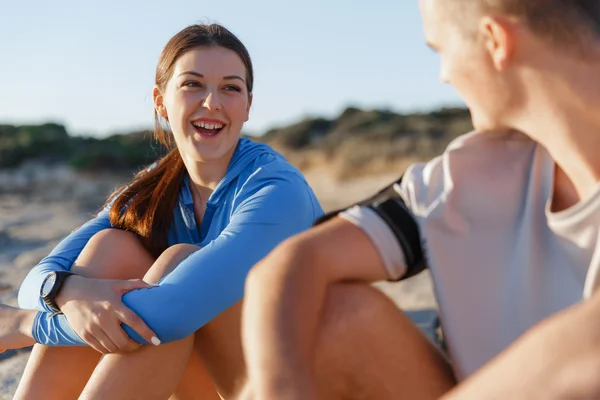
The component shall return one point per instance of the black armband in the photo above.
(391, 208)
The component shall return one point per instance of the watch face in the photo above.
(48, 284)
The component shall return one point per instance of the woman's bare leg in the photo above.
(72, 366)
(154, 372)
(219, 344)
(195, 383)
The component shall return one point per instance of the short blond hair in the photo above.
(573, 23)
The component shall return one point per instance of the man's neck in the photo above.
(573, 140)
(563, 115)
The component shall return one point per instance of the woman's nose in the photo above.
(212, 101)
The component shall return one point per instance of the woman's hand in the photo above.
(95, 311)
(15, 327)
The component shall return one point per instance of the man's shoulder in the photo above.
(472, 164)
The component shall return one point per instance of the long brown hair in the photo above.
(145, 205)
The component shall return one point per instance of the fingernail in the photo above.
(155, 341)
(153, 285)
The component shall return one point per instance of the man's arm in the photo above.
(558, 358)
(284, 296)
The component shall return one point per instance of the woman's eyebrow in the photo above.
(199, 75)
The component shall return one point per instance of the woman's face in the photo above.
(206, 103)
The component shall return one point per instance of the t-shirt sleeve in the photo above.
(388, 222)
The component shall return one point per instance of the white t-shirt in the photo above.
(500, 260)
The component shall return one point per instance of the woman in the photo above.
(507, 220)
(193, 224)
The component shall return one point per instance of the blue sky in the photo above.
(91, 66)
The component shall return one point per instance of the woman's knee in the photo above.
(113, 254)
(169, 260)
(179, 250)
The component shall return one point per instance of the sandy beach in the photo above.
(39, 206)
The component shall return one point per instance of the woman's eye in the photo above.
(233, 87)
(191, 84)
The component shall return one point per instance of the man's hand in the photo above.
(95, 311)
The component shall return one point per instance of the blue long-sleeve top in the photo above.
(261, 201)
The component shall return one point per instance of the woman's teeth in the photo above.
(206, 125)
(208, 129)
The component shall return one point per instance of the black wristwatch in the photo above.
(52, 284)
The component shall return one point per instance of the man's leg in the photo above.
(368, 349)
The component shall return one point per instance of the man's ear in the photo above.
(159, 104)
(499, 38)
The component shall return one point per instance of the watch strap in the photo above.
(50, 298)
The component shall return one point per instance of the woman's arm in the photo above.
(273, 207)
(61, 258)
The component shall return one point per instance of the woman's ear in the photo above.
(159, 104)
(250, 97)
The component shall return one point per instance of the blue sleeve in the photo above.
(272, 208)
(61, 258)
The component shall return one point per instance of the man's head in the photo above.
(490, 49)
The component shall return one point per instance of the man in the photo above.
(507, 220)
